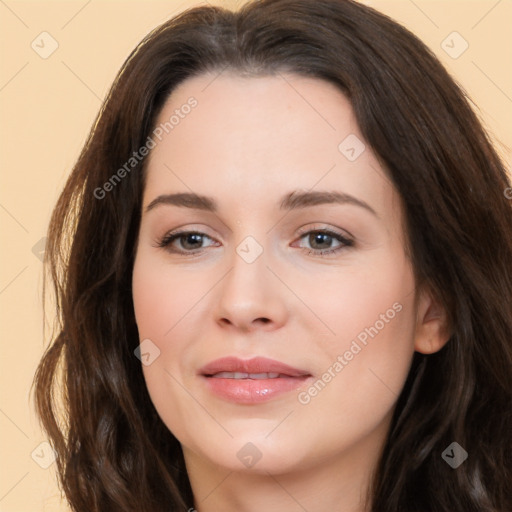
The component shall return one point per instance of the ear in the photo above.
(432, 329)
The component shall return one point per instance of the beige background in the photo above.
(47, 107)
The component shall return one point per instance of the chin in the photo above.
(256, 454)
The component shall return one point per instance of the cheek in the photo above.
(372, 304)
(162, 296)
(149, 298)
(366, 361)
(166, 304)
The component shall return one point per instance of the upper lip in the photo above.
(254, 365)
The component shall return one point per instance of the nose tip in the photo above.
(250, 297)
(250, 325)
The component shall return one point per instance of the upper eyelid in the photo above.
(336, 231)
(301, 232)
(175, 235)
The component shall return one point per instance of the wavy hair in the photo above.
(113, 451)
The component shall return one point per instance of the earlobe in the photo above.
(432, 329)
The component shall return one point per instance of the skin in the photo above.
(247, 143)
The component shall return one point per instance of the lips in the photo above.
(251, 381)
(241, 375)
(257, 365)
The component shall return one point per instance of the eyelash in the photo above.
(166, 241)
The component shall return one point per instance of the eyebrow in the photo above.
(292, 201)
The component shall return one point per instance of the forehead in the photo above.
(258, 137)
(257, 118)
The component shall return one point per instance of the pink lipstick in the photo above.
(251, 381)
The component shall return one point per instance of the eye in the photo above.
(321, 240)
(191, 242)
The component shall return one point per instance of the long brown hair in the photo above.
(113, 451)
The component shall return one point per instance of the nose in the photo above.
(251, 297)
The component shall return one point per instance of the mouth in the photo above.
(241, 375)
(251, 381)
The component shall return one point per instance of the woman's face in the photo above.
(297, 257)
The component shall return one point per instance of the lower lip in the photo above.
(253, 391)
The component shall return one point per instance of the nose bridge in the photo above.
(249, 291)
(248, 275)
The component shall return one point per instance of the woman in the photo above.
(215, 354)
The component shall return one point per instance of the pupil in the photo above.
(193, 237)
(319, 236)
